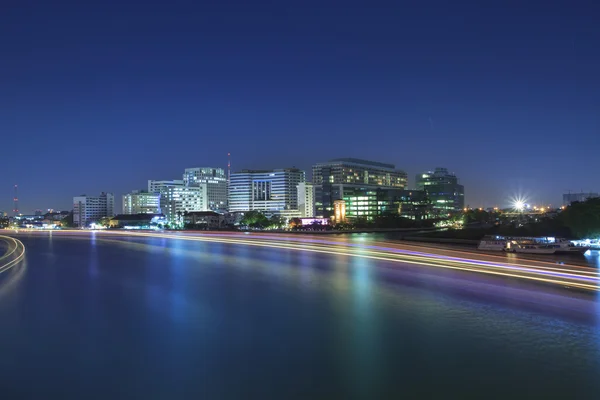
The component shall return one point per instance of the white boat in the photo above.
(492, 243)
(532, 249)
(564, 246)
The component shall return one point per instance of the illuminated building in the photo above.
(176, 200)
(442, 187)
(306, 199)
(139, 221)
(270, 191)
(141, 202)
(204, 220)
(88, 209)
(370, 203)
(333, 177)
(339, 209)
(569, 198)
(216, 185)
(159, 186)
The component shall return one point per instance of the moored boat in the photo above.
(492, 243)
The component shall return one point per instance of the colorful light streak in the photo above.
(570, 276)
(16, 251)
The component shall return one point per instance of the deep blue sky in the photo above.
(104, 95)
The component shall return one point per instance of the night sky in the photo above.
(104, 95)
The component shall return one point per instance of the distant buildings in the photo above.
(569, 198)
(89, 209)
(159, 186)
(370, 203)
(306, 199)
(271, 191)
(141, 202)
(344, 177)
(176, 200)
(443, 189)
(216, 185)
(204, 220)
(136, 221)
(201, 189)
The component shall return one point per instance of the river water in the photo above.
(149, 318)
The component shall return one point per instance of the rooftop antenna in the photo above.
(16, 201)
(228, 167)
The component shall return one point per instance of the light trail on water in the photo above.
(14, 254)
(566, 275)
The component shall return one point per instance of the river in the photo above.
(102, 317)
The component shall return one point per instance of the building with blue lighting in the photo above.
(270, 191)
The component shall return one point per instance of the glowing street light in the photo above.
(519, 205)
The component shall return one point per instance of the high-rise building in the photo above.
(306, 199)
(216, 185)
(332, 178)
(176, 200)
(569, 198)
(89, 209)
(271, 191)
(442, 187)
(141, 202)
(159, 186)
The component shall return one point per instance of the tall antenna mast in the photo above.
(228, 167)
(16, 201)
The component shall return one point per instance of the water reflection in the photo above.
(230, 321)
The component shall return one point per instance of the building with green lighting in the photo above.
(446, 194)
(334, 179)
(370, 203)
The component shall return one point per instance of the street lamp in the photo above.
(519, 205)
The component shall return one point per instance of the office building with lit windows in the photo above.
(333, 178)
(443, 189)
(273, 192)
(176, 200)
(306, 199)
(141, 202)
(370, 203)
(157, 186)
(91, 209)
(216, 185)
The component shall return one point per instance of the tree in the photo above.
(276, 222)
(255, 219)
(67, 222)
(583, 218)
(105, 222)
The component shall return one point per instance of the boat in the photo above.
(492, 243)
(531, 248)
(565, 246)
(590, 244)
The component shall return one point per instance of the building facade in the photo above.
(204, 220)
(90, 209)
(330, 179)
(270, 191)
(369, 203)
(442, 187)
(176, 200)
(141, 202)
(569, 198)
(155, 186)
(216, 185)
(306, 199)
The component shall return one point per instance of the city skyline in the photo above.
(103, 98)
(507, 201)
